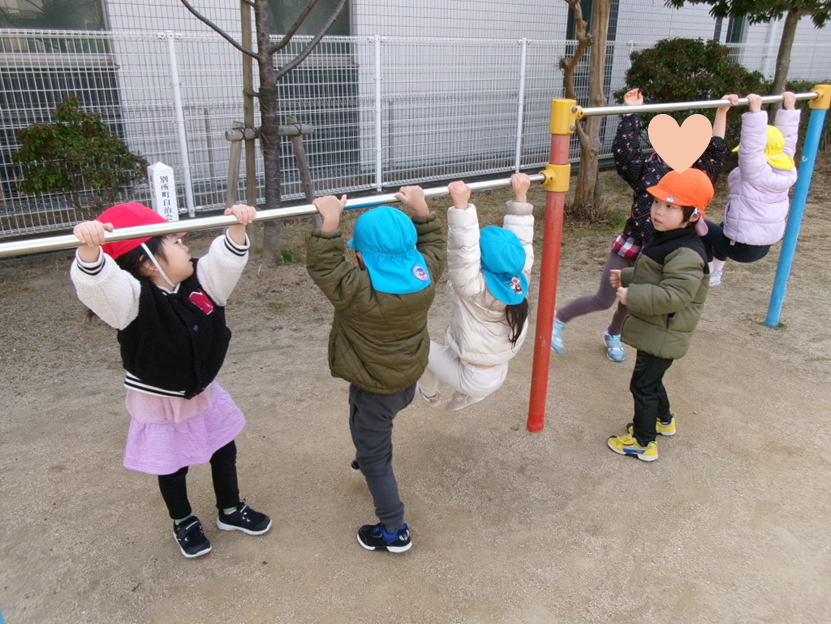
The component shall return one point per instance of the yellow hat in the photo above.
(773, 150)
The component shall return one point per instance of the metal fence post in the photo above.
(378, 125)
(520, 104)
(180, 122)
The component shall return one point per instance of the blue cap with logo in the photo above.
(386, 238)
(503, 259)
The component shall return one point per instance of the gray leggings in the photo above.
(370, 421)
(602, 299)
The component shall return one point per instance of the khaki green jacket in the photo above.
(379, 341)
(665, 298)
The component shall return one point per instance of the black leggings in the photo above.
(174, 486)
(718, 246)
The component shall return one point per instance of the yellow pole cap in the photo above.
(563, 116)
(823, 102)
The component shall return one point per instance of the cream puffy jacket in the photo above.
(478, 332)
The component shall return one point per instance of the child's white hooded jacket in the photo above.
(478, 332)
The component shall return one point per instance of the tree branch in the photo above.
(308, 49)
(217, 29)
(290, 33)
(584, 40)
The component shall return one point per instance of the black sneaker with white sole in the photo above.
(355, 466)
(375, 537)
(244, 519)
(191, 539)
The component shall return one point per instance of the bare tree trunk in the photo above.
(584, 194)
(269, 135)
(783, 58)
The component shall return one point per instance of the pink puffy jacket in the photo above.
(758, 203)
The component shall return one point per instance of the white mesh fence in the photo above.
(386, 111)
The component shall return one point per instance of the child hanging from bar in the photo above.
(757, 206)
(379, 341)
(488, 273)
(640, 172)
(169, 312)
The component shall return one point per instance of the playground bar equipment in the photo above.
(564, 116)
(55, 243)
(819, 107)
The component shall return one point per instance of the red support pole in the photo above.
(552, 239)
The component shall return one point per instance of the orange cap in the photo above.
(691, 187)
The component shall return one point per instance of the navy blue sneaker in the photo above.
(191, 539)
(244, 519)
(375, 537)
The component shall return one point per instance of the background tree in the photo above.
(269, 134)
(79, 156)
(585, 203)
(758, 11)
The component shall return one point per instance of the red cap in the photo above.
(691, 187)
(128, 215)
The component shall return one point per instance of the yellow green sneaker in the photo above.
(628, 445)
(661, 428)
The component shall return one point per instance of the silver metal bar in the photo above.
(55, 243)
(675, 106)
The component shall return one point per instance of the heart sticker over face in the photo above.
(680, 147)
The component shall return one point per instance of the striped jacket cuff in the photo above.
(91, 268)
(237, 250)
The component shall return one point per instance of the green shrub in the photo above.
(684, 70)
(77, 155)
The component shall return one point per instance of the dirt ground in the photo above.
(729, 525)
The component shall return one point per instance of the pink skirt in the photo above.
(164, 437)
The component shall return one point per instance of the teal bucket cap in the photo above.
(386, 238)
(502, 259)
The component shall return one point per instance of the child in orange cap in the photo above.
(757, 207)
(664, 293)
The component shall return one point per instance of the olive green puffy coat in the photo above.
(379, 341)
(665, 300)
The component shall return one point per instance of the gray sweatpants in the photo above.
(370, 422)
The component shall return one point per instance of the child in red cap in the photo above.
(169, 312)
(665, 293)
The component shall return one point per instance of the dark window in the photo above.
(53, 14)
(285, 12)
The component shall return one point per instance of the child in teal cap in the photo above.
(488, 273)
(379, 341)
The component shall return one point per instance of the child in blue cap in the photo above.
(488, 272)
(379, 341)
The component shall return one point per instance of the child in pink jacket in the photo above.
(757, 207)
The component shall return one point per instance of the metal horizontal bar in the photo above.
(55, 243)
(675, 106)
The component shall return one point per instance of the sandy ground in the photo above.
(729, 525)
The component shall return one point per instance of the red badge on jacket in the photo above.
(201, 301)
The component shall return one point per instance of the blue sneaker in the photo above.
(557, 336)
(375, 537)
(614, 350)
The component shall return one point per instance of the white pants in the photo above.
(465, 378)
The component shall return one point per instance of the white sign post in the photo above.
(164, 191)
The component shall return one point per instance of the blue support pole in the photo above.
(800, 195)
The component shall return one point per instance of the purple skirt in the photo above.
(162, 448)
